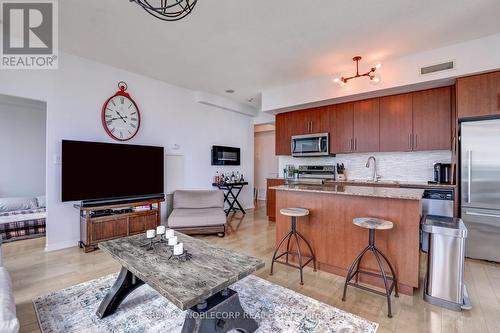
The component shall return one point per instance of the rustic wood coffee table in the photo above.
(199, 285)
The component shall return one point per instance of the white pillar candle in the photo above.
(178, 249)
(172, 241)
(160, 230)
(169, 233)
(151, 233)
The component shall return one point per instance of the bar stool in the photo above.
(294, 213)
(373, 224)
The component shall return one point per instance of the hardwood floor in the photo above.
(35, 272)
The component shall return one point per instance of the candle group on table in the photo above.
(162, 231)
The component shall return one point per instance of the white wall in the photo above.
(400, 166)
(22, 147)
(398, 75)
(75, 93)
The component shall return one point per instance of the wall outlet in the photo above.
(57, 159)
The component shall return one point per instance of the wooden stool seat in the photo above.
(372, 223)
(297, 212)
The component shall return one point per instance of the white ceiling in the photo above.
(254, 45)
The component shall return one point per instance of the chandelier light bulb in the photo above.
(336, 80)
(378, 65)
(375, 79)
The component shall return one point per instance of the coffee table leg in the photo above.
(220, 313)
(124, 285)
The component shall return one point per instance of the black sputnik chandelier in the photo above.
(167, 10)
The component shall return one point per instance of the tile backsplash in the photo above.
(400, 166)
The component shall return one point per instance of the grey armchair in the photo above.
(198, 212)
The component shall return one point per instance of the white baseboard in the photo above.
(61, 245)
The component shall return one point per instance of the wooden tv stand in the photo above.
(95, 229)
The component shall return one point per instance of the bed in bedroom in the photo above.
(22, 218)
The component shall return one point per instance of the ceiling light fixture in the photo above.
(167, 10)
(374, 77)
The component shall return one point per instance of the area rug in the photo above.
(276, 309)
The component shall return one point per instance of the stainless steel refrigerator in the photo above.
(480, 180)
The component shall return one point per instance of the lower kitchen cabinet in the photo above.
(271, 197)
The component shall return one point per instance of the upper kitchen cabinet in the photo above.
(310, 121)
(319, 120)
(366, 129)
(283, 134)
(341, 128)
(478, 95)
(396, 123)
(432, 119)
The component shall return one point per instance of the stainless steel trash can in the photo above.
(444, 283)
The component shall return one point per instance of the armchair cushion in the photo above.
(187, 199)
(204, 217)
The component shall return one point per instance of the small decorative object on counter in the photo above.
(341, 175)
(150, 235)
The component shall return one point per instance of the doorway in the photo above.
(23, 210)
(265, 159)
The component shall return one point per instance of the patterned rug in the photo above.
(276, 309)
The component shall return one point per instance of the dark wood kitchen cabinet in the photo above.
(396, 123)
(366, 117)
(478, 95)
(283, 133)
(310, 121)
(432, 119)
(341, 128)
(355, 127)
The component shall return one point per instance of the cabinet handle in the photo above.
(498, 102)
(355, 144)
(409, 141)
(415, 143)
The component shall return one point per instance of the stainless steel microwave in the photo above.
(310, 145)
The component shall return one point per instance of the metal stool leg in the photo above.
(310, 249)
(386, 284)
(299, 253)
(394, 277)
(350, 275)
(288, 235)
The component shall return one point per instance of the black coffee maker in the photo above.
(442, 173)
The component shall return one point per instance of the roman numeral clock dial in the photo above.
(120, 115)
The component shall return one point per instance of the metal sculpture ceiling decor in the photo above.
(167, 10)
(371, 74)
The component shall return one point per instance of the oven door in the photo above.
(310, 145)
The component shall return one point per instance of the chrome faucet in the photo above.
(376, 177)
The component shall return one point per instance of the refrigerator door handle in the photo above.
(469, 163)
(482, 214)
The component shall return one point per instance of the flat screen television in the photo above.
(109, 172)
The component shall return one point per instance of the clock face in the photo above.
(121, 118)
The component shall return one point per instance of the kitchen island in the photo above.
(336, 241)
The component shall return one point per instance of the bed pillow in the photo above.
(41, 201)
(12, 204)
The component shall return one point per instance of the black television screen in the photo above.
(99, 171)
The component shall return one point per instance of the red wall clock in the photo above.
(120, 115)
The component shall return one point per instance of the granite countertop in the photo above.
(381, 183)
(363, 191)
(210, 270)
